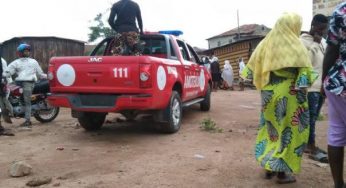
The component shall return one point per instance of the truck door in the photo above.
(199, 71)
(191, 73)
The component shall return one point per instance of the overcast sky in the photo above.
(198, 19)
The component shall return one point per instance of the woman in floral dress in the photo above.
(281, 69)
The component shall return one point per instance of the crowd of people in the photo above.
(223, 78)
(294, 73)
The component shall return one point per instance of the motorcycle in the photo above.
(40, 108)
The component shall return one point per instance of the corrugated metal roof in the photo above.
(243, 29)
(41, 37)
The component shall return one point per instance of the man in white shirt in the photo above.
(28, 71)
(316, 46)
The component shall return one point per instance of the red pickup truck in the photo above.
(167, 77)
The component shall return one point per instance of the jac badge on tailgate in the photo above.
(95, 60)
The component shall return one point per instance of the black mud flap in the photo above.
(160, 116)
(76, 114)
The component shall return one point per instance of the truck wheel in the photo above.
(173, 114)
(205, 104)
(91, 121)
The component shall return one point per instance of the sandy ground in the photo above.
(131, 154)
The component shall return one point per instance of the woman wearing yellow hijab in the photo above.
(281, 69)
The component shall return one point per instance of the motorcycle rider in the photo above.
(28, 71)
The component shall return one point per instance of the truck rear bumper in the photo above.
(102, 103)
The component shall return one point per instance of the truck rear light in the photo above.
(144, 76)
(145, 79)
(50, 76)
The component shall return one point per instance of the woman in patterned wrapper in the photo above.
(281, 69)
(334, 77)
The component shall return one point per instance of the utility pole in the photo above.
(238, 24)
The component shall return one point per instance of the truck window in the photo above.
(155, 46)
(102, 48)
(183, 50)
(194, 56)
(172, 49)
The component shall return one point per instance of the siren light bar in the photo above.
(171, 32)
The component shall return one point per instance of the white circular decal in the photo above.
(66, 75)
(202, 80)
(161, 78)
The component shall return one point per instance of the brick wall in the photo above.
(325, 7)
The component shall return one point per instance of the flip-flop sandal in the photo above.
(286, 180)
(321, 150)
(320, 157)
(306, 150)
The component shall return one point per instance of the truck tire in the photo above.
(173, 114)
(91, 121)
(205, 104)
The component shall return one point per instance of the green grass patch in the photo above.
(321, 117)
(210, 126)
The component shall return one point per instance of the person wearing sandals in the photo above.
(316, 46)
(334, 83)
(280, 68)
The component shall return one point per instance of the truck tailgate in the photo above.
(102, 74)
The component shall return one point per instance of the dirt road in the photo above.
(131, 154)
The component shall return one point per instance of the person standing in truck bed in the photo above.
(122, 19)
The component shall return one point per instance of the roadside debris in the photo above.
(20, 169)
(198, 156)
(60, 148)
(38, 181)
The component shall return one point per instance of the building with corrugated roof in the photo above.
(43, 48)
(247, 31)
(236, 43)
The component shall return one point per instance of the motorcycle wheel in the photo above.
(45, 116)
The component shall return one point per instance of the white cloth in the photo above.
(241, 66)
(4, 67)
(227, 73)
(316, 53)
(214, 59)
(26, 68)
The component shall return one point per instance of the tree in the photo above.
(100, 30)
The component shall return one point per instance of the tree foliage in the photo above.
(100, 30)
